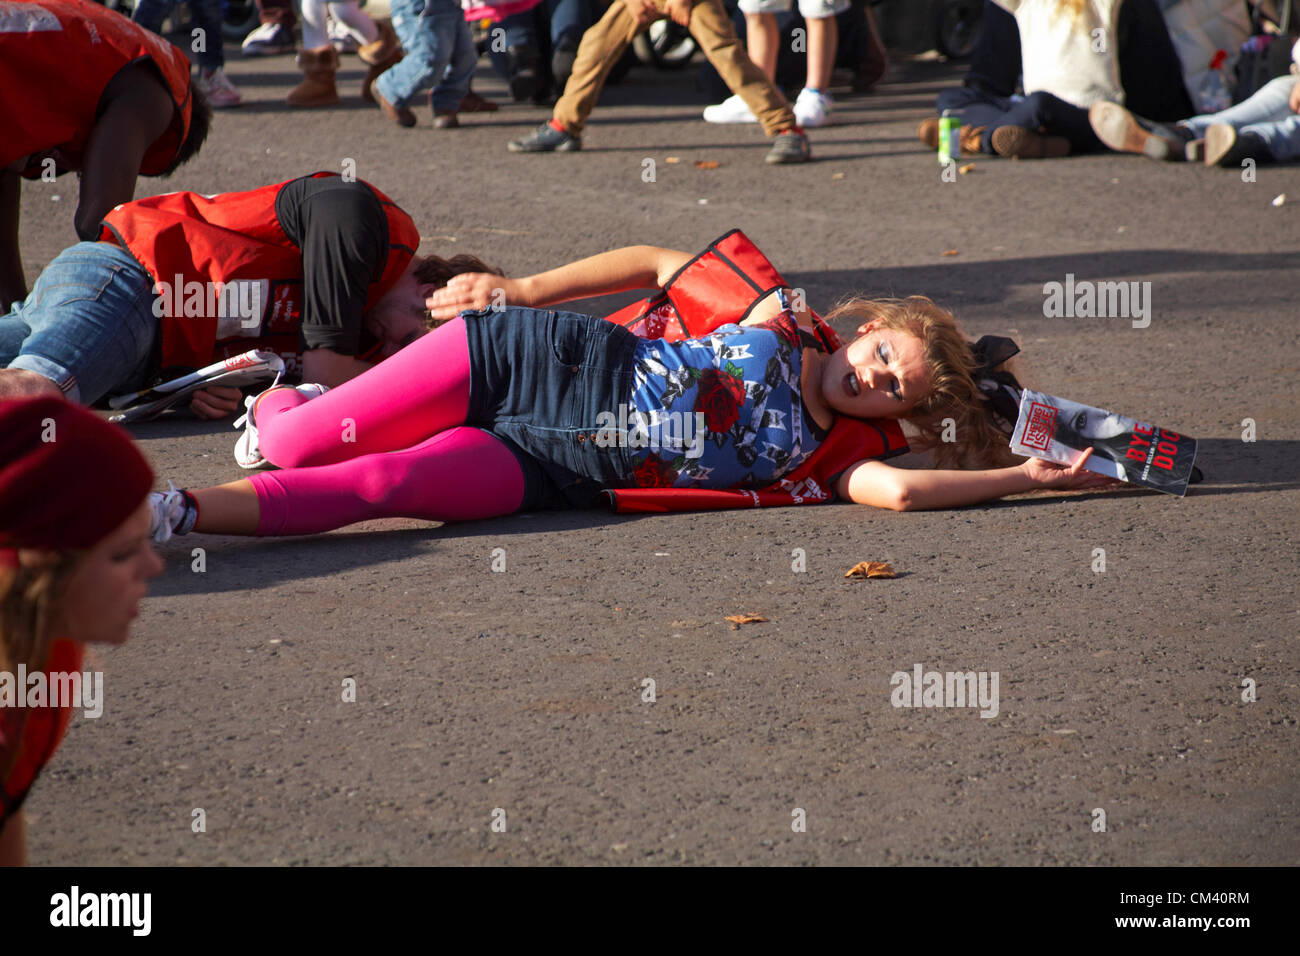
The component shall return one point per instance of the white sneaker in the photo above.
(341, 37)
(248, 454)
(165, 510)
(222, 93)
(811, 109)
(730, 110)
(267, 40)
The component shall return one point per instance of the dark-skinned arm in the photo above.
(13, 285)
(138, 111)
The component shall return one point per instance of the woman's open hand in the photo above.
(1050, 474)
(475, 291)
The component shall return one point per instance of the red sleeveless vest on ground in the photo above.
(56, 57)
(233, 247)
(723, 284)
(41, 733)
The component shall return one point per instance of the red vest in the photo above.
(41, 733)
(720, 285)
(232, 248)
(56, 58)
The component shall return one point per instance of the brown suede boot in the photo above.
(1017, 142)
(970, 139)
(379, 56)
(969, 136)
(317, 87)
(928, 132)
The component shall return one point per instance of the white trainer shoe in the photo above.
(341, 37)
(268, 40)
(730, 110)
(247, 453)
(812, 109)
(165, 511)
(222, 93)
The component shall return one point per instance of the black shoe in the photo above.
(522, 66)
(546, 139)
(790, 146)
(1224, 146)
(562, 67)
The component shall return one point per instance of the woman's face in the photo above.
(105, 588)
(397, 319)
(880, 374)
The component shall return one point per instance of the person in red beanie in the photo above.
(73, 568)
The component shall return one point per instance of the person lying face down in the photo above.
(503, 408)
(321, 270)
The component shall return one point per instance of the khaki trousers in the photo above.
(604, 43)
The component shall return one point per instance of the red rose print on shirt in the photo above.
(654, 473)
(719, 398)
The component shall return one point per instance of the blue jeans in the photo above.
(88, 324)
(1267, 114)
(439, 53)
(1037, 110)
(207, 17)
(568, 19)
(539, 381)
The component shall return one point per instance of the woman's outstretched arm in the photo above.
(906, 489)
(632, 267)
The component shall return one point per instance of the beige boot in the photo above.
(317, 87)
(379, 56)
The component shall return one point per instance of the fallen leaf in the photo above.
(871, 569)
(837, 176)
(707, 164)
(969, 167)
(739, 619)
(950, 252)
(671, 159)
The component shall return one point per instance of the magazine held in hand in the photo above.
(1137, 452)
(248, 368)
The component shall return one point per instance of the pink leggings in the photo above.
(384, 445)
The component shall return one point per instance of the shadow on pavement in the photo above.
(252, 564)
(982, 282)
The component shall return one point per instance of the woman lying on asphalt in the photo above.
(73, 568)
(510, 408)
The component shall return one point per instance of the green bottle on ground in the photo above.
(949, 137)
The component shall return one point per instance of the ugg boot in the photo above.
(970, 137)
(317, 87)
(379, 56)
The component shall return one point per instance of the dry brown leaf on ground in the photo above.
(672, 159)
(871, 569)
(837, 176)
(967, 168)
(707, 164)
(739, 619)
(950, 252)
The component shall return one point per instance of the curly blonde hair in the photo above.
(950, 366)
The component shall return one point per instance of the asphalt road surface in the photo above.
(518, 696)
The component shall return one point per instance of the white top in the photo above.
(1073, 58)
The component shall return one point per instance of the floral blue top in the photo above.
(722, 411)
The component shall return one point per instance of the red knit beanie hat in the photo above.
(67, 477)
